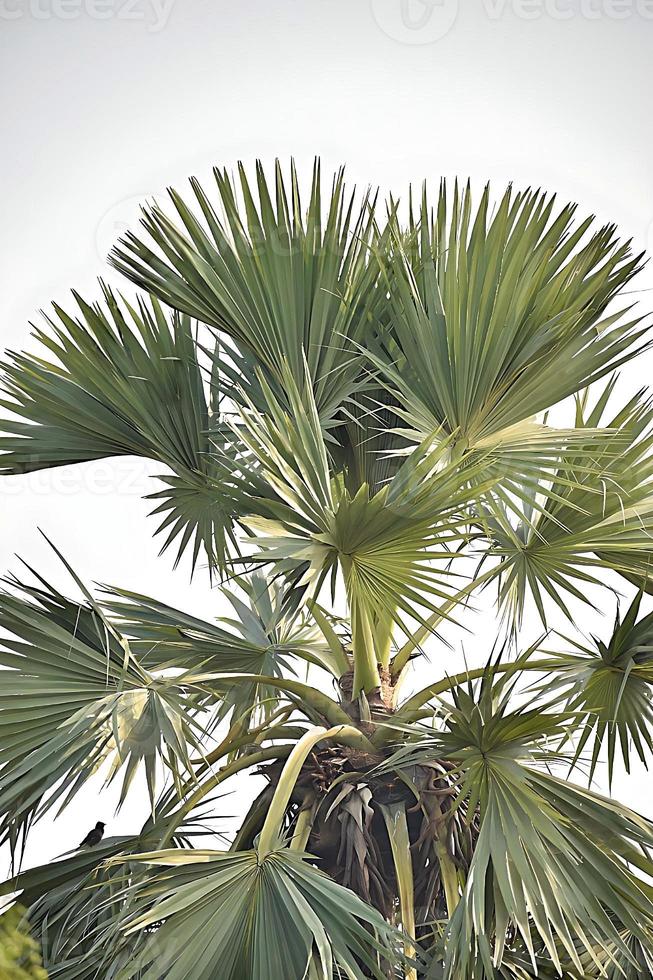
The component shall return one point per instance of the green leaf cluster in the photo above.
(352, 407)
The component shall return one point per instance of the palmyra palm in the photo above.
(349, 401)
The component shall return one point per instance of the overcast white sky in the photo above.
(105, 102)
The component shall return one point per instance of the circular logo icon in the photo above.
(415, 21)
(121, 217)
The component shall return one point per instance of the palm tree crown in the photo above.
(351, 403)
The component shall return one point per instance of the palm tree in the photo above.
(350, 403)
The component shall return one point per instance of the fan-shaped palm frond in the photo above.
(70, 900)
(224, 913)
(595, 517)
(282, 284)
(74, 698)
(610, 687)
(266, 638)
(496, 317)
(126, 380)
(76, 899)
(550, 856)
(265, 633)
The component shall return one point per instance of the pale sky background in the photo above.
(106, 102)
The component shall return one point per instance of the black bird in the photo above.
(94, 836)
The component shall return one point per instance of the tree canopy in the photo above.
(367, 416)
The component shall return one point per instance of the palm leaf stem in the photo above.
(409, 710)
(237, 765)
(274, 820)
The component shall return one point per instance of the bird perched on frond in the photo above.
(94, 836)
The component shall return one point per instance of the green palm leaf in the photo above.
(597, 516)
(74, 699)
(70, 902)
(495, 318)
(551, 858)
(282, 284)
(126, 381)
(266, 637)
(263, 635)
(610, 687)
(224, 913)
